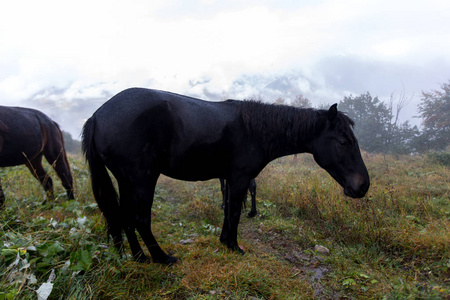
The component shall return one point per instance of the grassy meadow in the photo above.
(392, 244)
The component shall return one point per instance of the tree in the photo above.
(71, 145)
(377, 124)
(372, 119)
(280, 101)
(434, 109)
(403, 139)
(302, 102)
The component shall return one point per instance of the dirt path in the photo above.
(306, 265)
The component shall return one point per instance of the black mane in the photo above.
(298, 124)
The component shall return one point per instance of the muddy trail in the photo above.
(306, 263)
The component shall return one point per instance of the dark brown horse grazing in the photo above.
(25, 136)
(139, 134)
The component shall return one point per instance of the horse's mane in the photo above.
(298, 124)
(262, 117)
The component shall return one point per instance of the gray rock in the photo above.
(322, 250)
(188, 241)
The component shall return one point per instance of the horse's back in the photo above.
(19, 119)
(154, 112)
(182, 134)
(134, 102)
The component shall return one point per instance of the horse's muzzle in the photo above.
(357, 185)
(357, 193)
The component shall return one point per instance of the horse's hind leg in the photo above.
(136, 250)
(143, 193)
(252, 189)
(58, 159)
(126, 202)
(223, 190)
(38, 171)
(62, 168)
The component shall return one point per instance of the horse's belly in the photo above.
(194, 173)
(196, 163)
(196, 169)
(12, 154)
(191, 177)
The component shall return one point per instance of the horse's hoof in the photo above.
(251, 214)
(142, 258)
(167, 260)
(70, 195)
(236, 248)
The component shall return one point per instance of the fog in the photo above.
(67, 58)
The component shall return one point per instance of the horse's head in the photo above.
(336, 150)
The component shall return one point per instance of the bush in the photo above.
(440, 157)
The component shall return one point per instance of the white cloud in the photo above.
(211, 48)
(394, 48)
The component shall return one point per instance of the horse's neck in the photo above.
(282, 131)
(279, 143)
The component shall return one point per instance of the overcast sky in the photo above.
(68, 57)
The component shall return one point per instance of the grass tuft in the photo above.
(392, 244)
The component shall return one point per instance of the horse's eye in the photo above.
(342, 142)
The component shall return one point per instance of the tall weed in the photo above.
(393, 243)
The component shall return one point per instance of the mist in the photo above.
(66, 59)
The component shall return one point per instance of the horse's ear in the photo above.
(332, 113)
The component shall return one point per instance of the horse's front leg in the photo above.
(236, 195)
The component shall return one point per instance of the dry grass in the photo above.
(392, 244)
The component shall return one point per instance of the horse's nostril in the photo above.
(358, 181)
(359, 185)
(356, 193)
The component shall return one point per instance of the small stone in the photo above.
(322, 250)
(188, 241)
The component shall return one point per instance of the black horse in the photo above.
(140, 133)
(251, 189)
(25, 136)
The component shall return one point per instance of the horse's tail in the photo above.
(102, 186)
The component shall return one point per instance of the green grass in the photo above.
(392, 244)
